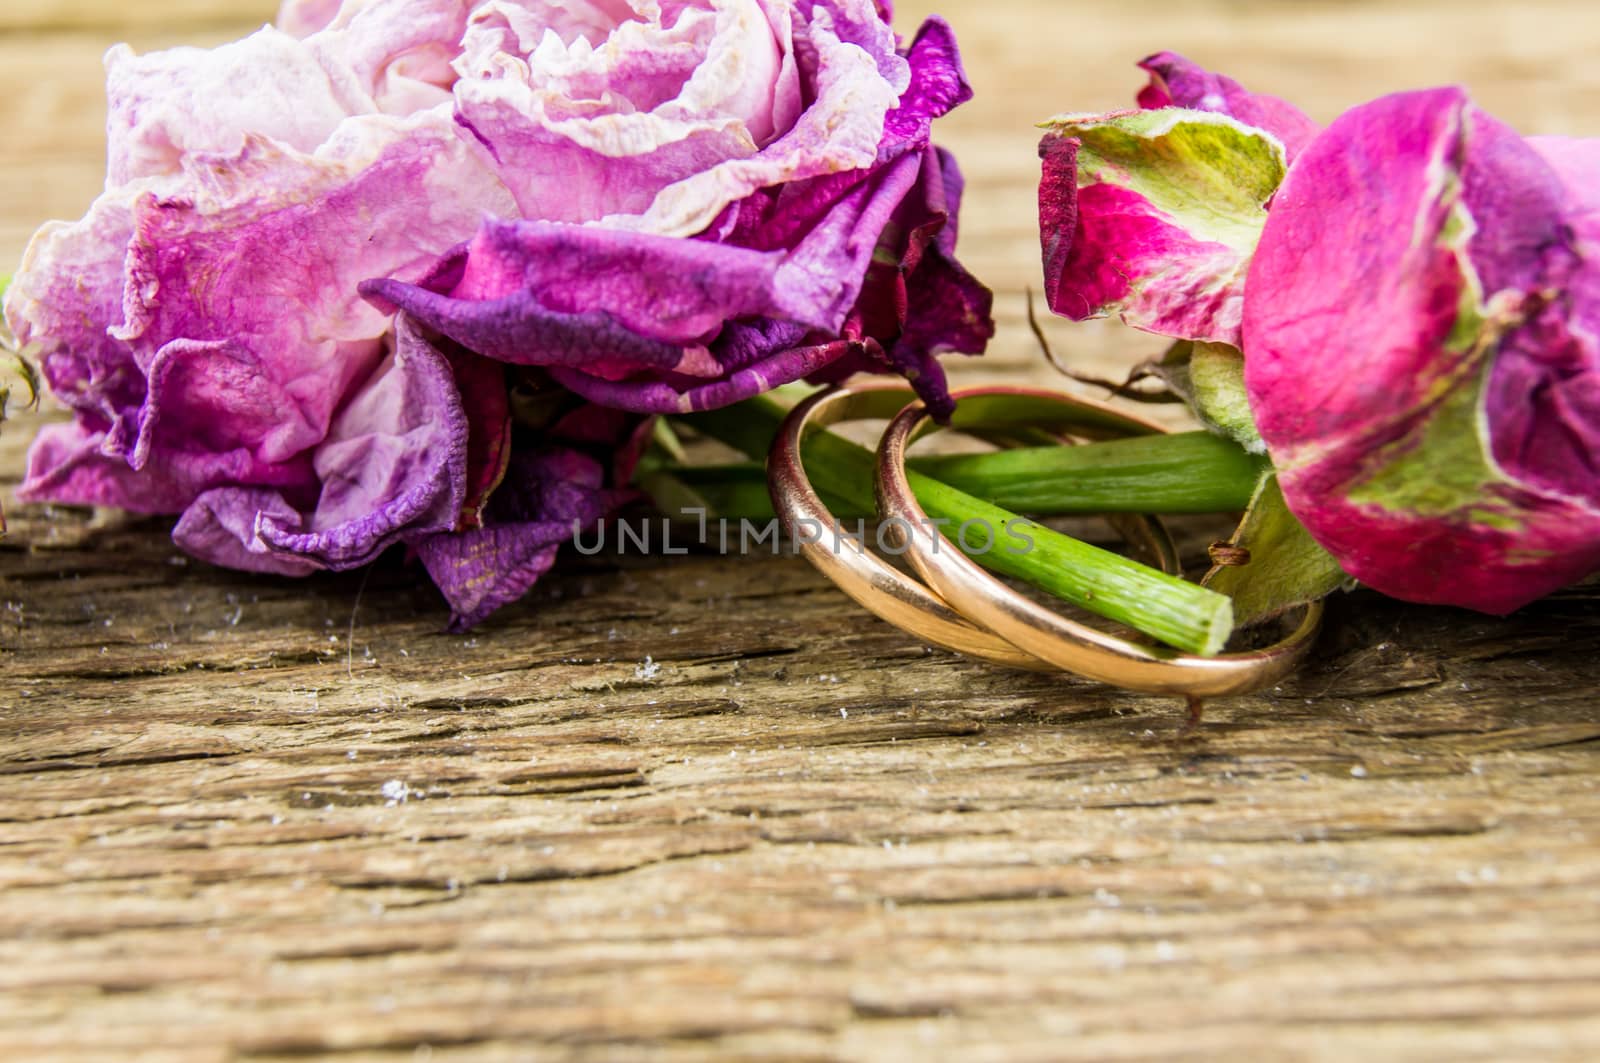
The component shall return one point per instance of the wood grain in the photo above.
(702, 808)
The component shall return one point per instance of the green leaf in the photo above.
(1283, 566)
(1210, 378)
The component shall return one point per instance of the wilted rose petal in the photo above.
(1427, 389)
(785, 364)
(393, 468)
(1164, 208)
(65, 295)
(168, 105)
(659, 124)
(68, 464)
(850, 269)
(401, 52)
(549, 492)
(1544, 394)
(481, 383)
(918, 294)
(238, 380)
(656, 288)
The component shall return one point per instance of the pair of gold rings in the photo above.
(961, 607)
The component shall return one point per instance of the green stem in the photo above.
(1180, 614)
(1192, 472)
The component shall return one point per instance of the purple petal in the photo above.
(607, 305)
(679, 291)
(221, 525)
(488, 568)
(393, 467)
(1544, 396)
(926, 302)
(70, 464)
(519, 330)
(1543, 402)
(938, 86)
(259, 439)
(547, 492)
(658, 396)
(486, 404)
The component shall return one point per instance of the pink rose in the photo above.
(206, 320)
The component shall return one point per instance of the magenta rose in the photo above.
(657, 205)
(1415, 291)
(1422, 351)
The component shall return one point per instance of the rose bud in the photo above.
(1151, 215)
(1422, 351)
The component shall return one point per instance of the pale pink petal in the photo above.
(169, 104)
(660, 125)
(400, 51)
(302, 18)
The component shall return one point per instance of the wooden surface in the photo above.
(703, 808)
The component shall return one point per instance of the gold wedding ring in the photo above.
(1047, 635)
(875, 585)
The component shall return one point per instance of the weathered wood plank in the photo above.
(114, 16)
(699, 807)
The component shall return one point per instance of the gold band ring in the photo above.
(879, 588)
(1047, 635)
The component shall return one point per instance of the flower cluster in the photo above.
(1415, 291)
(419, 271)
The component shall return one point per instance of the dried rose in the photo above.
(1422, 351)
(205, 321)
(1416, 294)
